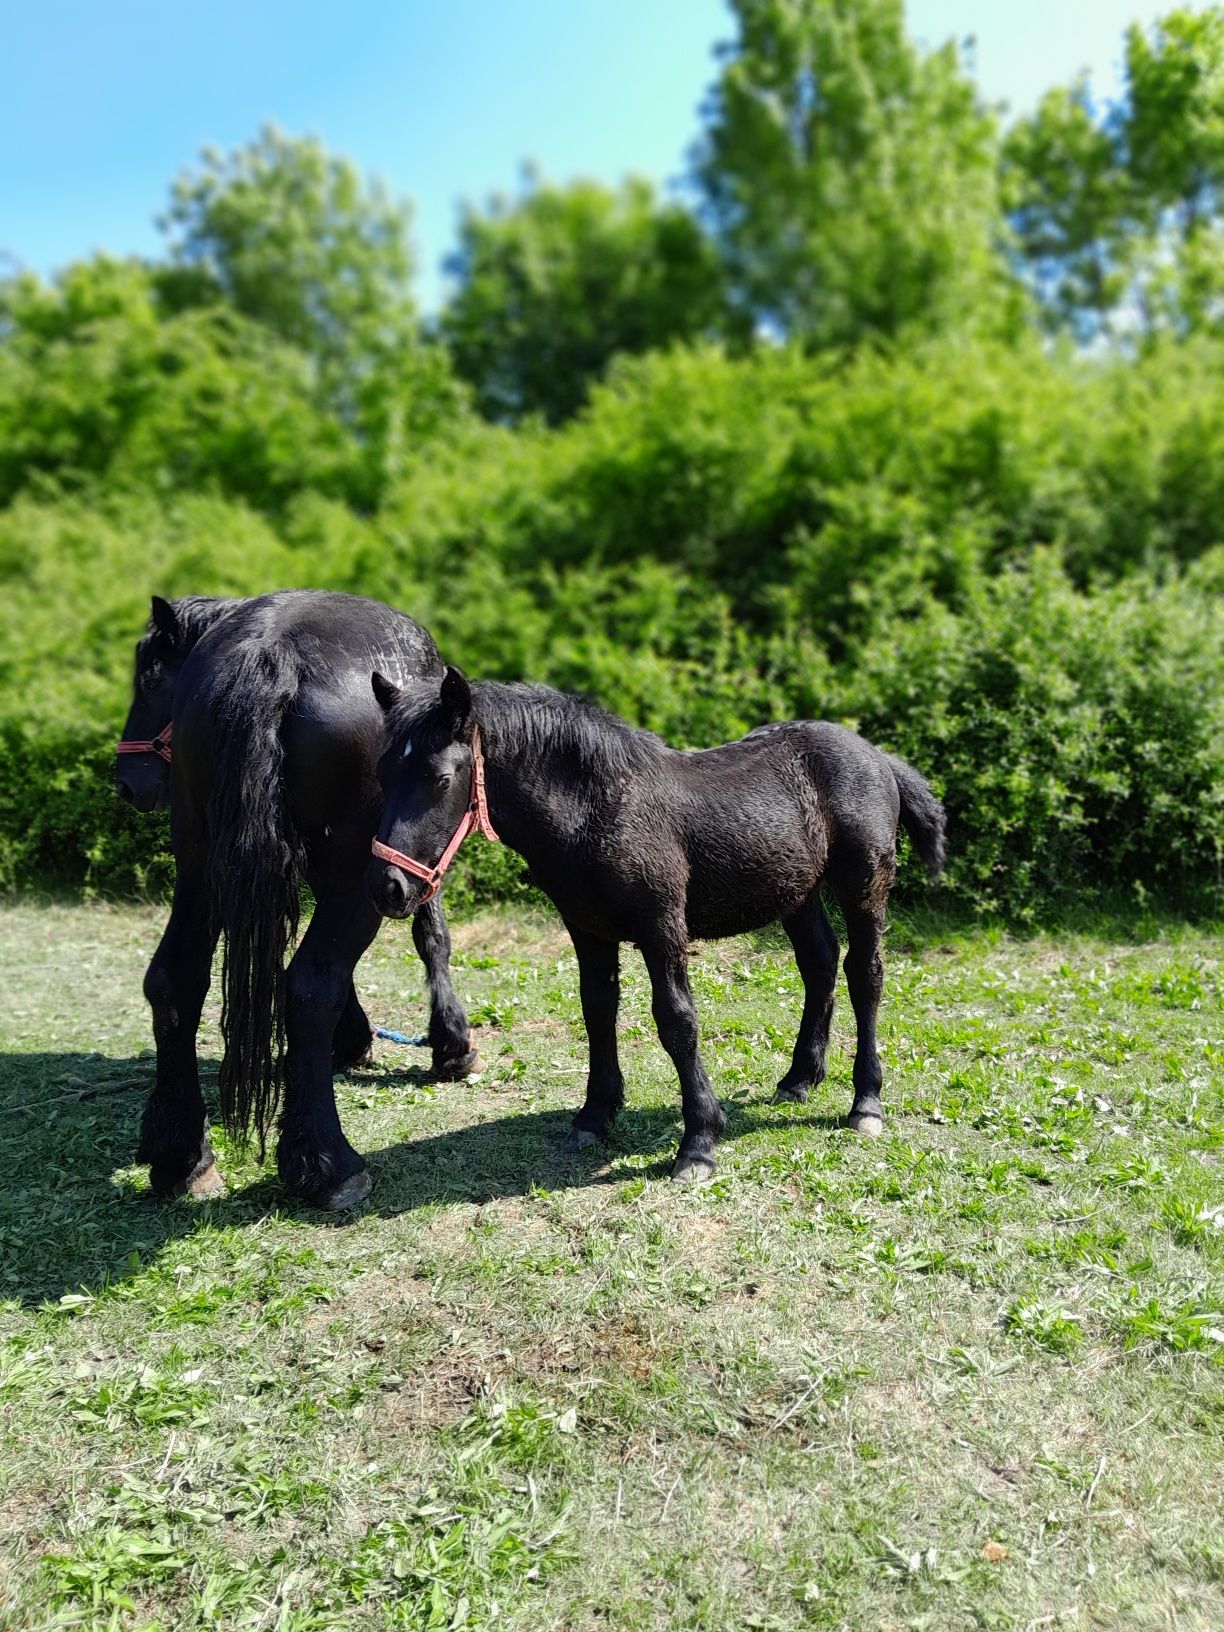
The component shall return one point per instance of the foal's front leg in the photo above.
(675, 1015)
(599, 982)
(450, 1035)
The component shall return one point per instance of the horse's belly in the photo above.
(731, 894)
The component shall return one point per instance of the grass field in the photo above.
(965, 1376)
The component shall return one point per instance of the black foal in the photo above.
(635, 841)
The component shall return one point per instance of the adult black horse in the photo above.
(271, 781)
(635, 841)
(144, 757)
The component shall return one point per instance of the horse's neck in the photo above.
(200, 613)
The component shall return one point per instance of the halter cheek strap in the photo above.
(160, 744)
(475, 816)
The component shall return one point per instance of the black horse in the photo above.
(271, 782)
(635, 841)
(142, 773)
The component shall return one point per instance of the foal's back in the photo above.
(763, 821)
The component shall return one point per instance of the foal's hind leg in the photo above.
(450, 1036)
(815, 943)
(675, 1015)
(865, 978)
(174, 1128)
(352, 1041)
(599, 982)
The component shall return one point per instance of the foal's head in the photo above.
(426, 772)
(143, 778)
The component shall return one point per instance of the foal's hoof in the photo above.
(693, 1170)
(206, 1185)
(351, 1193)
(791, 1093)
(865, 1123)
(582, 1139)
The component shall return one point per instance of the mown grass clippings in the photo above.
(968, 1375)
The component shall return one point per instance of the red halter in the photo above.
(160, 744)
(475, 816)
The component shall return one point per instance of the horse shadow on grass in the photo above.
(72, 1221)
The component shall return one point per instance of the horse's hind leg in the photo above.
(352, 1040)
(864, 966)
(599, 983)
(174, 1128)
(675, 1015)
(313, 1157)
(815, 943)
(450, 1036)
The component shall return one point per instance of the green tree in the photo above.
(554, 285)
(1118, 210)
(1069, 194)
(295, 240)
(851, 182)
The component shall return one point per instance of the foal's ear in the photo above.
(385, 690)
(456, 699)
(165, 619)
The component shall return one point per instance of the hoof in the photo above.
(795, 1094)
(865, 1123)
(206, 1185)
(582, 1139)
(467, 1065)
(693, 1170)
(349, 1194)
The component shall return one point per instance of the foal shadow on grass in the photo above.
(70, 1122)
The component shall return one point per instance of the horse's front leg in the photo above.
(174, 1128)
(599, 983)
(313, 1157)
(675, 1015)
(450, 1036)
(352, 1042)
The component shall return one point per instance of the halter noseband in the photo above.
(160, 744)
(475, 816)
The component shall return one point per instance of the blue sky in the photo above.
(101, 103)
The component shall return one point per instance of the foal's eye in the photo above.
(440, 780)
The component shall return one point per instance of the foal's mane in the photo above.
(528, 720)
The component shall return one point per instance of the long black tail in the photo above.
(922, 815)
(255, 880)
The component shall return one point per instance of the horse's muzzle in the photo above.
(143, 795)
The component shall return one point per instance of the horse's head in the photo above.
(427, 772)
(142, 777)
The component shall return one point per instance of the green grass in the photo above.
(965, 1376)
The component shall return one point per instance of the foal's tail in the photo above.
(922, 815)
(255, 879)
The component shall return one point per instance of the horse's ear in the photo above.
(456, 699)
(165, 619)
(386, 692)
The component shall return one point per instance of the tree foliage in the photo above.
(849, 180)
(551, 287)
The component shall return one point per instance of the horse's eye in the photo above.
(440, 780)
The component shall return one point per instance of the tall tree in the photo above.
(849, 180)
(297, 241)
(1118, 209)
(551, 287)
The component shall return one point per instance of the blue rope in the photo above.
(399, 1037)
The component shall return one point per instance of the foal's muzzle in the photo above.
(394, 895)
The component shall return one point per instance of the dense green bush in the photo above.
(967, 555)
